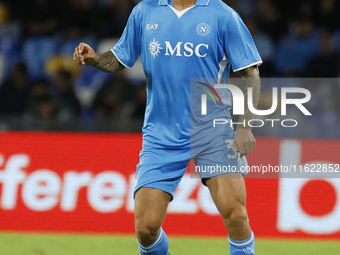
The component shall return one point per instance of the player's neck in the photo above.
(181, 5)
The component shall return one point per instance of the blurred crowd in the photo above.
(38, 79)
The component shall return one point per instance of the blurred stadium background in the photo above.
(42, 89)
(49, 181)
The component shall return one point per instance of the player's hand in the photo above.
(84, 54)
(244, 141)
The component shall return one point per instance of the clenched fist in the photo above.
(244, 141)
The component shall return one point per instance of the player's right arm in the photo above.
(106, 62)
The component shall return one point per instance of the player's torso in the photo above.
(176, 47)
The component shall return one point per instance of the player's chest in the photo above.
(168, 35)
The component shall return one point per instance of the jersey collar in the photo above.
(198, 2)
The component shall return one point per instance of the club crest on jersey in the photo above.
(155, 48)
(203, 29)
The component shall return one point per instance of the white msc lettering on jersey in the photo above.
(188, 51)
(151, 26)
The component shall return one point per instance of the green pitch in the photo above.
(47, 244)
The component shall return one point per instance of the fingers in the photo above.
(249, 144)
(78, 58)
(236, 147)
(244, 143)
(81, 47)
(79, 54)
(240, 148)
(84, 48)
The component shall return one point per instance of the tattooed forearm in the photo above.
(250, 79)
(106, 62)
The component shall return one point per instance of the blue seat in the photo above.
(36, 51)
(294, 52)
(10, 50)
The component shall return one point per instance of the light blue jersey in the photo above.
(204, 41)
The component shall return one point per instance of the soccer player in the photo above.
(179, 40)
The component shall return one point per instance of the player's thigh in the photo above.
(161, 169)
(150, 208)
(228, 192)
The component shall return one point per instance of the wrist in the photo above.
(94, 61)
(244, 129)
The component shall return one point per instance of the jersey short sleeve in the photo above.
(240, 46)
(128, 48)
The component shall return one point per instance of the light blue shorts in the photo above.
(164, 168)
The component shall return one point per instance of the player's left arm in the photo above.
(244, 140)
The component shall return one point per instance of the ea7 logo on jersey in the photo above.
(151, 26)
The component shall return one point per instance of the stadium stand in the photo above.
(291, 37)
